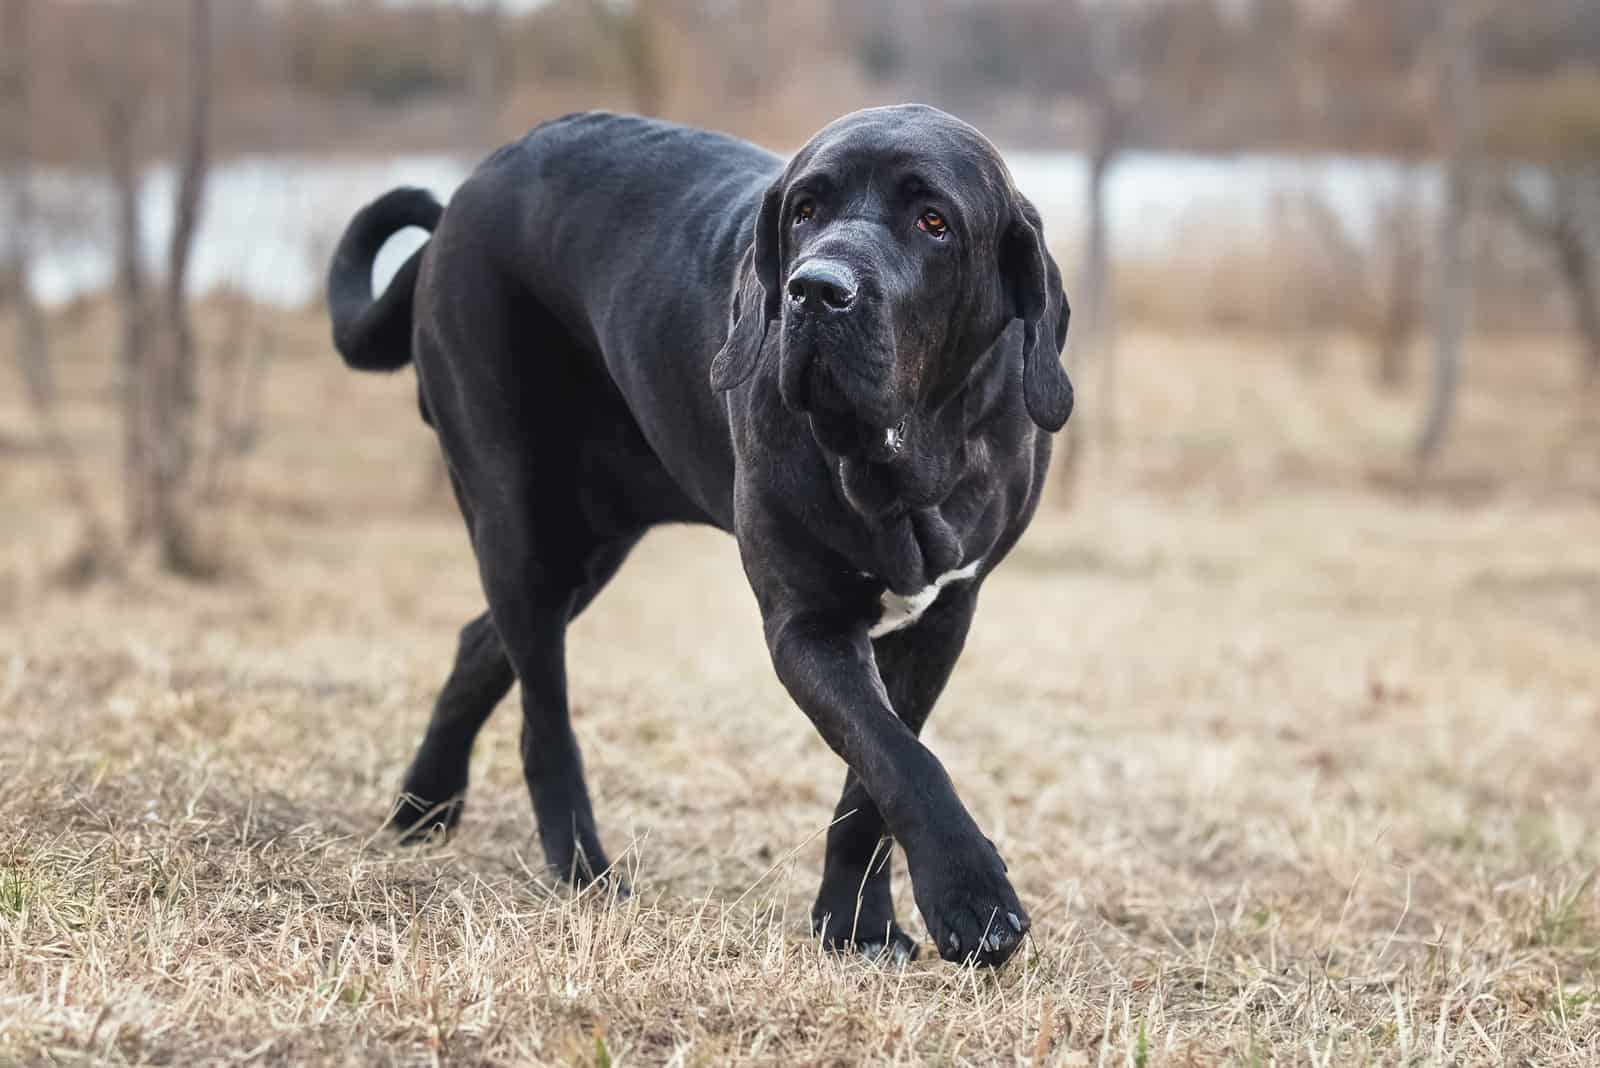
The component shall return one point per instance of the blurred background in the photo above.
(1319, 243)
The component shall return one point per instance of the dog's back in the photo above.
(594, 205)
(640, 219)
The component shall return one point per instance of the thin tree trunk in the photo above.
(1116, 100)
(1094, 330)
(33, 349)
(634, 33)
(1579, 273)
(16, 157)
(1575, 262)
(16, 163)
(1099, 281)
(1453, 299)
(1562, 231)
(1400, 231)
(126, 181)
(174, 401)
(236, 399)
(643, 59)
(485, 71)
(1097, 255)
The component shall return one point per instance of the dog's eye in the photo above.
(803, 212)
(932, 222)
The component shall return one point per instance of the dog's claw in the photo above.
(1016, 924)
(954, 942)
(894, 952)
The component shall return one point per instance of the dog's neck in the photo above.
(899, 501)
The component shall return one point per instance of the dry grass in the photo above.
(1291, 762)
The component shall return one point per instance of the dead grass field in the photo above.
(1291, 763)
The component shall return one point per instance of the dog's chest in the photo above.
(900, 611)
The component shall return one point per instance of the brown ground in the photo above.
(1291, 762)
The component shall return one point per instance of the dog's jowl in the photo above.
(850, 360)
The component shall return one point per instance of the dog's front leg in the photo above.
(854, 909)
(817, 635)
(958, 879)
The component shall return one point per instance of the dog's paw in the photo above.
(610, 884)
(898, 950)
(881, 942)
(584, 869)
(418, 821)
(971, 911)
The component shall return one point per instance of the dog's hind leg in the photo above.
(854, 909)
(515, 400)
(435, 785)
(437, 781)
(535, 589)
(541, 562)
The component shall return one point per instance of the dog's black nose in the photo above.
(823, 286)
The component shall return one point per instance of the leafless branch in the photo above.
(1453, 297)
(33, 349)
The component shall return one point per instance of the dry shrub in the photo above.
(1301, 268)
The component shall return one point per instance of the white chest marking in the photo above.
(901, 611)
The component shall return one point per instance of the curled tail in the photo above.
(374, 333)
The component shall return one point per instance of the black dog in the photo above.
(620, 323)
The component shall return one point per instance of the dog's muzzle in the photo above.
(832, 325)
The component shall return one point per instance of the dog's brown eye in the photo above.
(803, 212)
(932, 222)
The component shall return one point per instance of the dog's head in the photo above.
(894, 250)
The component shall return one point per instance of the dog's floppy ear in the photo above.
(755, 300)
(1033, 283)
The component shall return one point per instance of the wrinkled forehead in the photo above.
(904, 143)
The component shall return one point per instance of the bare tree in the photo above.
(1563, 226)
(238, 381)
(631, 26)
(1400, 237)
(131, 295)
(1112, 95)
(1129, 62)
(111, 77)
(33, 351)
(158, 354)
(1453, 296)
(1114, 100)
(485, 74)
(16, 157)
(172, 395)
